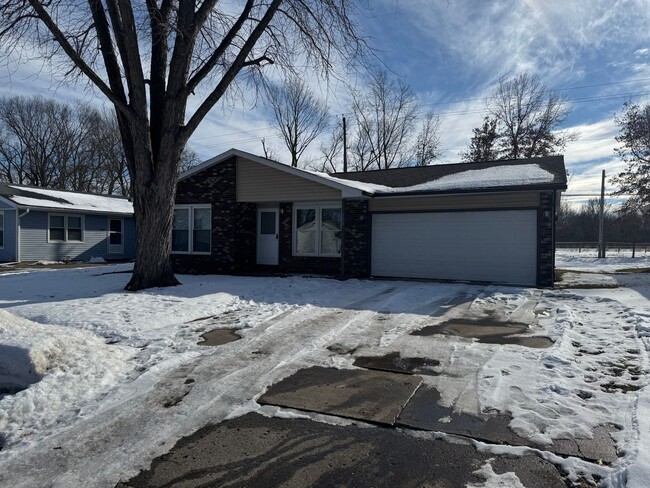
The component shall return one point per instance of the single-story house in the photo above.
(39, 224)
(482, 222)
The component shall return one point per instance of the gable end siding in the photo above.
(259, 183)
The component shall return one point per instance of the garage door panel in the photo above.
(498, 246)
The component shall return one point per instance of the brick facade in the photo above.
(356, 238)
(233, 224)
(546, 239)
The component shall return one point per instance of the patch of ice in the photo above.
(493, 480)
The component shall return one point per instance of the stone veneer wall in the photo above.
(546, 239)
(356, 241)
(233, 223)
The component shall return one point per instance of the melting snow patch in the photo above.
(493, 480)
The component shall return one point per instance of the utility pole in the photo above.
(601, 226)
(345, 147)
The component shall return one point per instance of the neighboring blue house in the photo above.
(38, 224)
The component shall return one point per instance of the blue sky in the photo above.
(452, 53)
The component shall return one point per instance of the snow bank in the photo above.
(59, 370)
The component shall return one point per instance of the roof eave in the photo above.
(73, 210)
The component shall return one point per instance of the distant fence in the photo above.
(610, 247)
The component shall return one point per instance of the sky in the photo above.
(452, 54)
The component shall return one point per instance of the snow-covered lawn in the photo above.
(114, 379)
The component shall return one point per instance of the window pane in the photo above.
(180, 240)
(202, 218)
(2, 237)
(267, 222)
(330, 238)
(116, 225)
(181, 219)
(57, 234)
(74, 234)
(2, 221)
(201, 242)
(74, 222)
(305, 231)
(181, 230)
(115, 239)
(57, 221)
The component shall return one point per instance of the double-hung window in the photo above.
(65, 228)
(2, 229)
(317, 230)
(192, 229)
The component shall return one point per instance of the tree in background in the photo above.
(483, 145)
(634, 137)
(427, 143)
(296, 114)
(149, 60)
(384, 113)
(528, 116)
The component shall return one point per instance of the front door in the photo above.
(116, 236)
(267, 236)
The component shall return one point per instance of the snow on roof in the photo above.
(64, 200)
(492, 177)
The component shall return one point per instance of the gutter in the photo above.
(18, 217)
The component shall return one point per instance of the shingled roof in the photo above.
(44, 198)
(532, 173)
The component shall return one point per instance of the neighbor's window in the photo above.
(66, 228)
(317, 230)
(192, 229)
(2, 230)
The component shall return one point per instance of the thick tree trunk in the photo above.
(153, 201)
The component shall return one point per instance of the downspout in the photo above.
(343, 232)
(18, 217)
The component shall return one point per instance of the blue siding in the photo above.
(4, 205)
(8, 250)
(34, 245)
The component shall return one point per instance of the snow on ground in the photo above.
(116, 391)
(588, 260)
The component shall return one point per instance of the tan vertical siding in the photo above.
(259, 183)
(455, 202)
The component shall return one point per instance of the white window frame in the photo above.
(318, 208)
(65, 228)
(2, 228)
(190, 237)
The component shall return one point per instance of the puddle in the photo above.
(487, 331)
(218, 337)
(394, 363)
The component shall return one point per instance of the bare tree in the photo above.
(427, 143)
(331, 151)
(384, 116)
(528, 116)
(149, 59)
(634, 137)
(297, 115)
(483, 145)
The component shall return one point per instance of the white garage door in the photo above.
(497, 246)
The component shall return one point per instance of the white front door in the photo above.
(268, 221)
(115, 236)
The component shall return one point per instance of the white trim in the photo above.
(349, 191)
(317, 207)
(276, 211)
(65, 216)
(190, 229)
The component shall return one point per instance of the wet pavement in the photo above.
(256, 451)
(218, 337)
(371, 396)
(424, 412)
(394, 363)
(486, 331)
